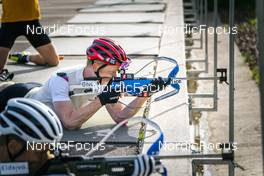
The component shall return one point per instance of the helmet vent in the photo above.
(58, 127)
(3, 123)
(51, 114)
(33, 120)
(22, 126)
(44, 116)
(17, 131)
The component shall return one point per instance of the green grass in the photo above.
(253, 68)
(248, 52)
(255, 74)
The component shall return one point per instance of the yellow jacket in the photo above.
(20, 10)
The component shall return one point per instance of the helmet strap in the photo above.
(10, 155)
(97, 72)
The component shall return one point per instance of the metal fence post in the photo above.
(260, 17)
(206, 34)
(215, 52)
(201, 22)
(231, 78)
(193, 168)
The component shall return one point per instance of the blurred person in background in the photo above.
(20, 18)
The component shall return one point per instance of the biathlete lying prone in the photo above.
(104, 59)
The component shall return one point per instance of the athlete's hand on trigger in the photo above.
(158, 84)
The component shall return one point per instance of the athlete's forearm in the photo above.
(134, 106)
(120, 112)
(81, 115)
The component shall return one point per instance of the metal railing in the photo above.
(203, 13)
(231, 169)
(214, 78)
(260, 18)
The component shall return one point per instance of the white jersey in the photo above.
(57, 88)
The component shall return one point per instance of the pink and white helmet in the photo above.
(108, 51)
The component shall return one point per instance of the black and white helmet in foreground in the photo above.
(30, 120)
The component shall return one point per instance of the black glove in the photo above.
(158, 84)
(109, 96)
